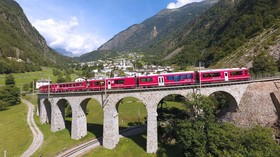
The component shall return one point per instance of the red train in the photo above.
(167, 79)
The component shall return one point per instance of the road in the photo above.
(37, 134)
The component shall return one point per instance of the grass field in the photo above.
(131, 111)
(24, 78)
(134, 146)
(15, 135)
(55, 142)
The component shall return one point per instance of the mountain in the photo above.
(64, 52)
(21, 45)
(144, 37)
(141, 37)
(230, 34)
(227, 33)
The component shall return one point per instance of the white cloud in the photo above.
(67, 34)
(180, 3)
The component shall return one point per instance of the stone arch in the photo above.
(131, 99)
(96, 129)
(61, 104)
(161, 98)
(231, 104)
(170, 108)
(132, 112)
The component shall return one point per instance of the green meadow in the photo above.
(24, 78)
(131, 112)
(58, 141)
(15, 135)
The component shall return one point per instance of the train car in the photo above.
(44, 89)
(121, 82)
(168, 79)
(223, 75)
(70, 86)
(96, 85)
(148, 81)
(48, 88)
(179, 78)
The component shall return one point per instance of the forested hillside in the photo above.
(22, 48)
(225, 28)
(226, 33)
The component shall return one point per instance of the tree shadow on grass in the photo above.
(4, 109)
(96, 129)
(139, 138)
(68, 126)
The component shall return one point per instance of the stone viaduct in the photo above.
(51, 108)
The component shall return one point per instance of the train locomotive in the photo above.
(150, 81)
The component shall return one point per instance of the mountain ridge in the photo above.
(20, 40)
(228, 28)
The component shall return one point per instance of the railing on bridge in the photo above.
(263, 78)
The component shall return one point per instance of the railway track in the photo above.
(86, 147)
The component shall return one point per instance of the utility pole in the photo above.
(105, 88)
(49, 88)
(138, 116)
(33, 89)
(199, 77)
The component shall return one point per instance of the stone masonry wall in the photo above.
(256, 106)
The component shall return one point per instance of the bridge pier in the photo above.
(79, 122)
(43, 112)
(38, 107)
(110, 124)
(57, 116)
(44, 108)
(152, 134)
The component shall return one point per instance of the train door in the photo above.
(109, 84)
(226, 76)
(160, 81)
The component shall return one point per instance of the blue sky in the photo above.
(81, 26)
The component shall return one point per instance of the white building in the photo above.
(40, 83)
(79, 79)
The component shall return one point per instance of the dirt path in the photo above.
(37, 134)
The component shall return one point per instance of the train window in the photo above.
(142, 79)
(99, 83)
(206, 75)
(119, 81)
(246, 72)
(177, 78)
(211, 75)
(149, 79)
(216, 74)
(189, 76)
(233, 73)
(170, 77)
(183, 77)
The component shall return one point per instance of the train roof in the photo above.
(173, 73)
(227, 69)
